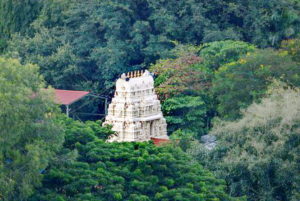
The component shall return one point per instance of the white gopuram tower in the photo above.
(135, 111)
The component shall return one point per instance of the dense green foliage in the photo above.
(29, 134)
(211, 60)
(16, 16)
(124, 171)
(185, 112)
(258, 155)
(216, 54)
(263, 23)
(179, 84)
(184, 83)
(86, 44)
(238, 84)
(292, 47)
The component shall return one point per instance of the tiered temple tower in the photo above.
(135, 110)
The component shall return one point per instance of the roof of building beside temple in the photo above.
(67, 97)
(158, 141)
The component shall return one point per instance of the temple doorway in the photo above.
(152, 129)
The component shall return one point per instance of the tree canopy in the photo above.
(124, 171)
(16, 16)
(238, 84)
(29, 133)
(213, 63)
(78, 43)
(258, 155)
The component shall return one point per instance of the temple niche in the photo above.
(135, 111)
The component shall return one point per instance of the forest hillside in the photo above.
(225, 70)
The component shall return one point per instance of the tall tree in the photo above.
(181, 84)
(29, 134)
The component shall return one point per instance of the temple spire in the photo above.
(135, 112)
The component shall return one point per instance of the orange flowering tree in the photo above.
(180, 75)
(180, 84)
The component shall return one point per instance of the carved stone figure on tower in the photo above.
(135, 111)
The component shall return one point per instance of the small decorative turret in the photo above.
(134, 74)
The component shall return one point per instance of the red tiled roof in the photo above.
(67, 97)
(159, 141)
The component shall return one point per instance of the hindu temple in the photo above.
(135, 111)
